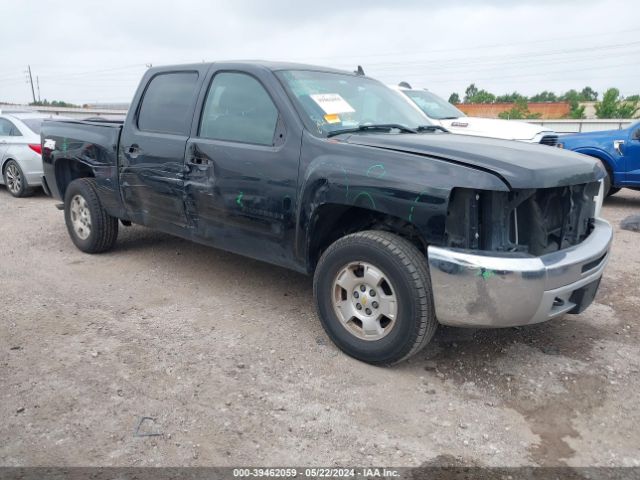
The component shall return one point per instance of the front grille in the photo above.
(551, 140)
(533, 221)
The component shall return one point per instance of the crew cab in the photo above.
(440, 112)
(403, 226)
(618, 151)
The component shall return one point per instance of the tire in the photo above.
(14, 180)
(405, 280)
(90, 227)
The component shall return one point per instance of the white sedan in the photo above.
(441, 112)
(20, 152)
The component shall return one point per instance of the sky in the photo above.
(86, 51)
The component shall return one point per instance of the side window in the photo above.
(238, 109)
(8, 129)
(166, 104)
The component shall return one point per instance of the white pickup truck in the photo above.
(441, 112)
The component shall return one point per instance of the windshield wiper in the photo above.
(448, 118)
(378, 126)
(431, 128)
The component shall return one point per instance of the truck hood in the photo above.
(518, 164)
(494, 128)
(588, 138)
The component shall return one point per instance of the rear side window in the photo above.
(238, 109)
(34, 124)
(166, 105)
(8, 129)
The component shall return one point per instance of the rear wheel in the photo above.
(15, 181)
(90, 227)
(373, 294)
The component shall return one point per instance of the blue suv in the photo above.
(617, 150)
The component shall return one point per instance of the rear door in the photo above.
(242, 165)
(153, 146)
(8, 133)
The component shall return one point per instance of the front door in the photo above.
(242, 169)
(152, 150)
(632, 156)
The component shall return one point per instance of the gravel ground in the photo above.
(227, 357)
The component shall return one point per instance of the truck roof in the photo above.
(269, 65)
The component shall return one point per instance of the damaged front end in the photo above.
(519, 257)
(533, 221)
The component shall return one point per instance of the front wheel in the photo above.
(90, 227)
(608, 189)
(373, 295)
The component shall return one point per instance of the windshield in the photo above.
(333, 101)
(434, 106)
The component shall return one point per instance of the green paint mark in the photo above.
(485, 274)
(239, 199)
(365, 194)
(376, 171)
(415, 202)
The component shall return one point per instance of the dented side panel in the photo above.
(410, 188)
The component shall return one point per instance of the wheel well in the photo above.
(67, 171)
(603, 158)
(4, 164)
(331, 222)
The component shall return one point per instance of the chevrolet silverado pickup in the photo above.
(403, 225)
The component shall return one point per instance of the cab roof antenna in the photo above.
(359, 71)
(404, 85)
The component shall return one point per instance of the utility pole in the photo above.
(33, 92)
(38, 84)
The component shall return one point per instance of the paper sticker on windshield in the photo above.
(332, 103)
(332, 118)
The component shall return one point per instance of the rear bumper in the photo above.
(475, 290)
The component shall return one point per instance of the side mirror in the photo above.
(636, 135)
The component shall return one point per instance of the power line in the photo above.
(477, 47)
(476, 59)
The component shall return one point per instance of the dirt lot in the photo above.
(228, 357)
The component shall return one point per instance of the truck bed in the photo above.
(71, 146)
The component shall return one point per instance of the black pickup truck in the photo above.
(404, 226)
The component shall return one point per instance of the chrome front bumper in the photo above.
(473, 289)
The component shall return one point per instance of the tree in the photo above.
(470, 92)
(572, 97)
(53, 103)
(544, 96)
(510, 98)
(473, 95)
(588, 95)
(454, 98)
(519, 111)
(613, 105)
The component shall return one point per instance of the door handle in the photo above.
(133, 150)
(199, 161)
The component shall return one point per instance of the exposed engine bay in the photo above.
(527, 221)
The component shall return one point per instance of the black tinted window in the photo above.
(238, 109)
(166, 103)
